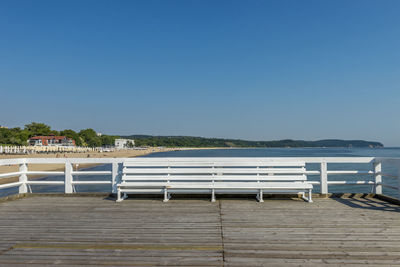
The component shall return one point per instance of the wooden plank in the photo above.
(85, 231)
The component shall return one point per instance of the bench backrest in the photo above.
(212, 169)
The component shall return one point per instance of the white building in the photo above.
(124, 143)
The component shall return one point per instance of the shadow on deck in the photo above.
(92, 230)
(366, 202)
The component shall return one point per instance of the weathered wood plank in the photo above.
(342, 231)
(81, 231)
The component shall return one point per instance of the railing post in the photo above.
(324, 177)
(378, 177)
(68, 178)
(114, 177)
(23, 178)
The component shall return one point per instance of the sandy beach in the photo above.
(56, 167)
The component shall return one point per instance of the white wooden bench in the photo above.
(212, 176)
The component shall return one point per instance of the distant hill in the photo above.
(191, 141)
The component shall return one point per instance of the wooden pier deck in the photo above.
(96, 231)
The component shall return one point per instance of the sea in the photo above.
(259, 152)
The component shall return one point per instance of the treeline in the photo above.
(189, 141)
(87, 137)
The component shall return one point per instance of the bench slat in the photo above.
(211, 170)
(221, 178)
(213, 163)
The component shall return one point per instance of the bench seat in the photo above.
(219, 185)
(167, 176)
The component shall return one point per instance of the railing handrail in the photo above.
(120, 160)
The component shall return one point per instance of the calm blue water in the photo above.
(261, 152)
(284, 152)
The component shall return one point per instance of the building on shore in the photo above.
(51, 140)
(124, 143)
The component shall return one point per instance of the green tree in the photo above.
(90, 138)
(14, 136)
(130, 145)
(5, 136)
(36, 128)
(108, 140)
(23, 137)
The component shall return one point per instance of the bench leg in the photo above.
(260, 197)
(212, 195)
(167, 196)
(119, 198)
(310, 195)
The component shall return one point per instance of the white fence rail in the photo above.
(370, 174)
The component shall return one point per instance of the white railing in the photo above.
(371, 174)
(68, 172)
(51, 148)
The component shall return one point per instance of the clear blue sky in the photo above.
(257, 70)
